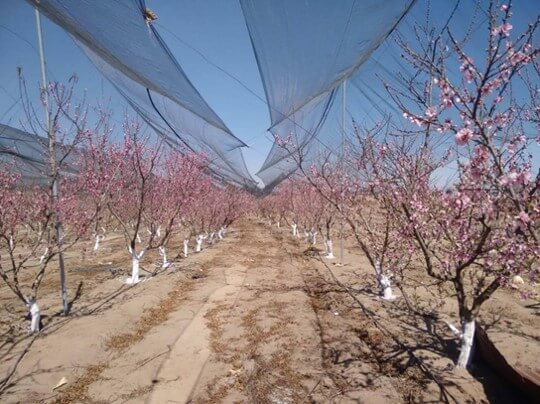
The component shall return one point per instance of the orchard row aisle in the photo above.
(258, 318)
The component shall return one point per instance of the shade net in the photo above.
(319, 129)
(305, 50)
(28, 155)
(128, 50)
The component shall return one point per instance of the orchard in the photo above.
(140, 260)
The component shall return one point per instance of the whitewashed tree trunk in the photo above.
(294, 230)
(278, 224)
(385, 283)
(186, 247)
(35, 315)
(314, 238)
(329, 249)
(467, 340)
(198, 246)
(42, 258)
(163, 253)
(220, 233)
(135, 266)
(211, 238)
(139, 238)
(386, 286)
(98, 239)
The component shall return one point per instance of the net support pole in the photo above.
(341, 231)
(51, 135)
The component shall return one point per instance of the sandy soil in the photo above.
(257, 318)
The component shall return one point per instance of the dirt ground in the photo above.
(256, 318)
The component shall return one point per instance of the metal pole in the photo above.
(54, 165)
(343, 106)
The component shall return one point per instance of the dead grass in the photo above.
(359, 339)
(78, 391)
(260, 360)
(151, 318)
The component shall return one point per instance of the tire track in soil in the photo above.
(264, 343)
(359, 356)
(180, 372)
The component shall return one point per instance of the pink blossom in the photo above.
(482, 153)
(523, 177)
(463, 136)
(503, 29)
(431, 112)
(447, 102)
(512, 177)
(524, 217)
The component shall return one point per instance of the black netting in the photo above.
(28, 155)
(130, 53)
(305, 50)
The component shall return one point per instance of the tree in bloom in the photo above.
(38, 223)
(28, 235)
(176, 186)
(482, 231)
(132, 173)
(358, 188)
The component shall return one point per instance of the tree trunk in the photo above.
(35, 316)
(467, 340)
(198, 246)
(98, 239)
(186, 247)
(385, 283)
(163, 254)
(329, 249)
(135, 267)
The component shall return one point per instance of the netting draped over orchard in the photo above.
(27, 155)
(305, 50)
(120, 40)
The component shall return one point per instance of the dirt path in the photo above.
(180, 372)
(255, 340)
(253, 319)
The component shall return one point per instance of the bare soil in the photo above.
(256, 318)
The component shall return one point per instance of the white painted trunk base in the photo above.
(199, 241)
(35, 316)
(135, 267)
(386, 287)
(163, 253)
(186, 248)
(467, 340)
(98, 239)
(329, 249)
(385, 283)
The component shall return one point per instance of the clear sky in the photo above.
(215, 27)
